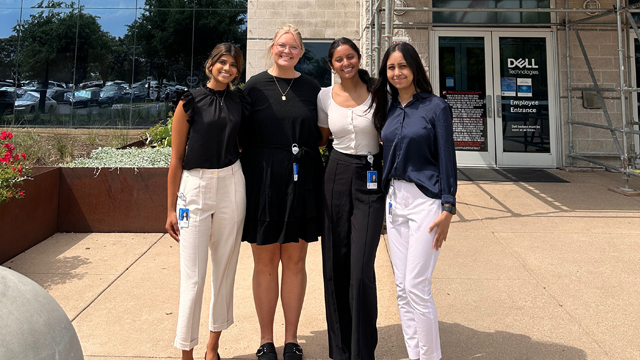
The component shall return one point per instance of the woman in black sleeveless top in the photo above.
(206, 197)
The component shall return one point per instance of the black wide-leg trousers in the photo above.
(353, 222)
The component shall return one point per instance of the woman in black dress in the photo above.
(283, 170)
(206, 197)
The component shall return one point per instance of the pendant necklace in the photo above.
(216, 93)
(223, 95)
(284, 94)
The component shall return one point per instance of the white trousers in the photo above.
(414, 259)
(216, 202)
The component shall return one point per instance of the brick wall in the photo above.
(316, 20)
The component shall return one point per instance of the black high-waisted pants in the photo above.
(354, 216)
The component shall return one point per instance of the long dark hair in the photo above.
(383, 88)
(362, 73)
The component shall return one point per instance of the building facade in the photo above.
(505, 73)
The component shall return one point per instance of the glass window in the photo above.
(491, 17)
(314, 62)
(105, 62)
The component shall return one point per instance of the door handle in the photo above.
(499, 106)
(489, 102)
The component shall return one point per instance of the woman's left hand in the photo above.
(441, 224)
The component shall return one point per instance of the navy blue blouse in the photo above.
(418, 147)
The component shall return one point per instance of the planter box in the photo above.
(78, 200)
(113, 200)
(26, 222)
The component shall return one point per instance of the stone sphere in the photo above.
(32, 324)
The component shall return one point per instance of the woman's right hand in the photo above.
(172, 226)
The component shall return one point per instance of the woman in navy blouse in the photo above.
(419, 177)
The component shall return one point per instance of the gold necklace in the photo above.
(284, 97)
(216, 94)
(223, 95)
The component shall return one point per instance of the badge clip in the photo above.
(295, 150)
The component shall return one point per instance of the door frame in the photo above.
(553, 91)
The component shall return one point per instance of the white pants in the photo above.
(414, 259)
(216, 202)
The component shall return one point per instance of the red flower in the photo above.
(24, 157)
(3, 135)
(14, 168)
(21, 193)
(9, 135)
(9, 194)
(20, 168)
(17, 157)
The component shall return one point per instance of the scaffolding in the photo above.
(624, 18)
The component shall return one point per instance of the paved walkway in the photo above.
(530, 271)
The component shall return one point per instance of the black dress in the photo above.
(279, 209)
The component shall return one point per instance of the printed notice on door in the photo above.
(469, 119)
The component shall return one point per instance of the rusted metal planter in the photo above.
(26, 222)
(83, 200)
(124, 200)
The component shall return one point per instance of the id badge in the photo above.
(372, 179)
(183, 218)
(295, 172)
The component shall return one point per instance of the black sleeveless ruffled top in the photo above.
(214, 127)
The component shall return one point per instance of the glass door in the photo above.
(525, 132)
(464, 71)
(498, 85)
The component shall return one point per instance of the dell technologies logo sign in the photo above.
(523, 66)
(522, 63)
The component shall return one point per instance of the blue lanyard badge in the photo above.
(372, 175)
(295, 150)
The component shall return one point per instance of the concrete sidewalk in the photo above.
(529, 271)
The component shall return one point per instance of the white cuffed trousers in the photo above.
(414, 259)
(216, 202)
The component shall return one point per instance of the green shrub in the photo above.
(159, 135)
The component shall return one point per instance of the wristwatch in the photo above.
(449, 208)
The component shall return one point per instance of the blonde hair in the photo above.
(225, 49)
(284, 30)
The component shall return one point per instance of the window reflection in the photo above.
(314, 62)
(108, 63)
(491, 17)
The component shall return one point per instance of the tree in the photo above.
(165, 37)
(8, 53)
(58, 41)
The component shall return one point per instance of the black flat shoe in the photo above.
(205, 356)
(267, 351)
(292, 351)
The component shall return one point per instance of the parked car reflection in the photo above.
(29, 103)
(7, 99)
(110, 97)
(92, 94)
(65, 97)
